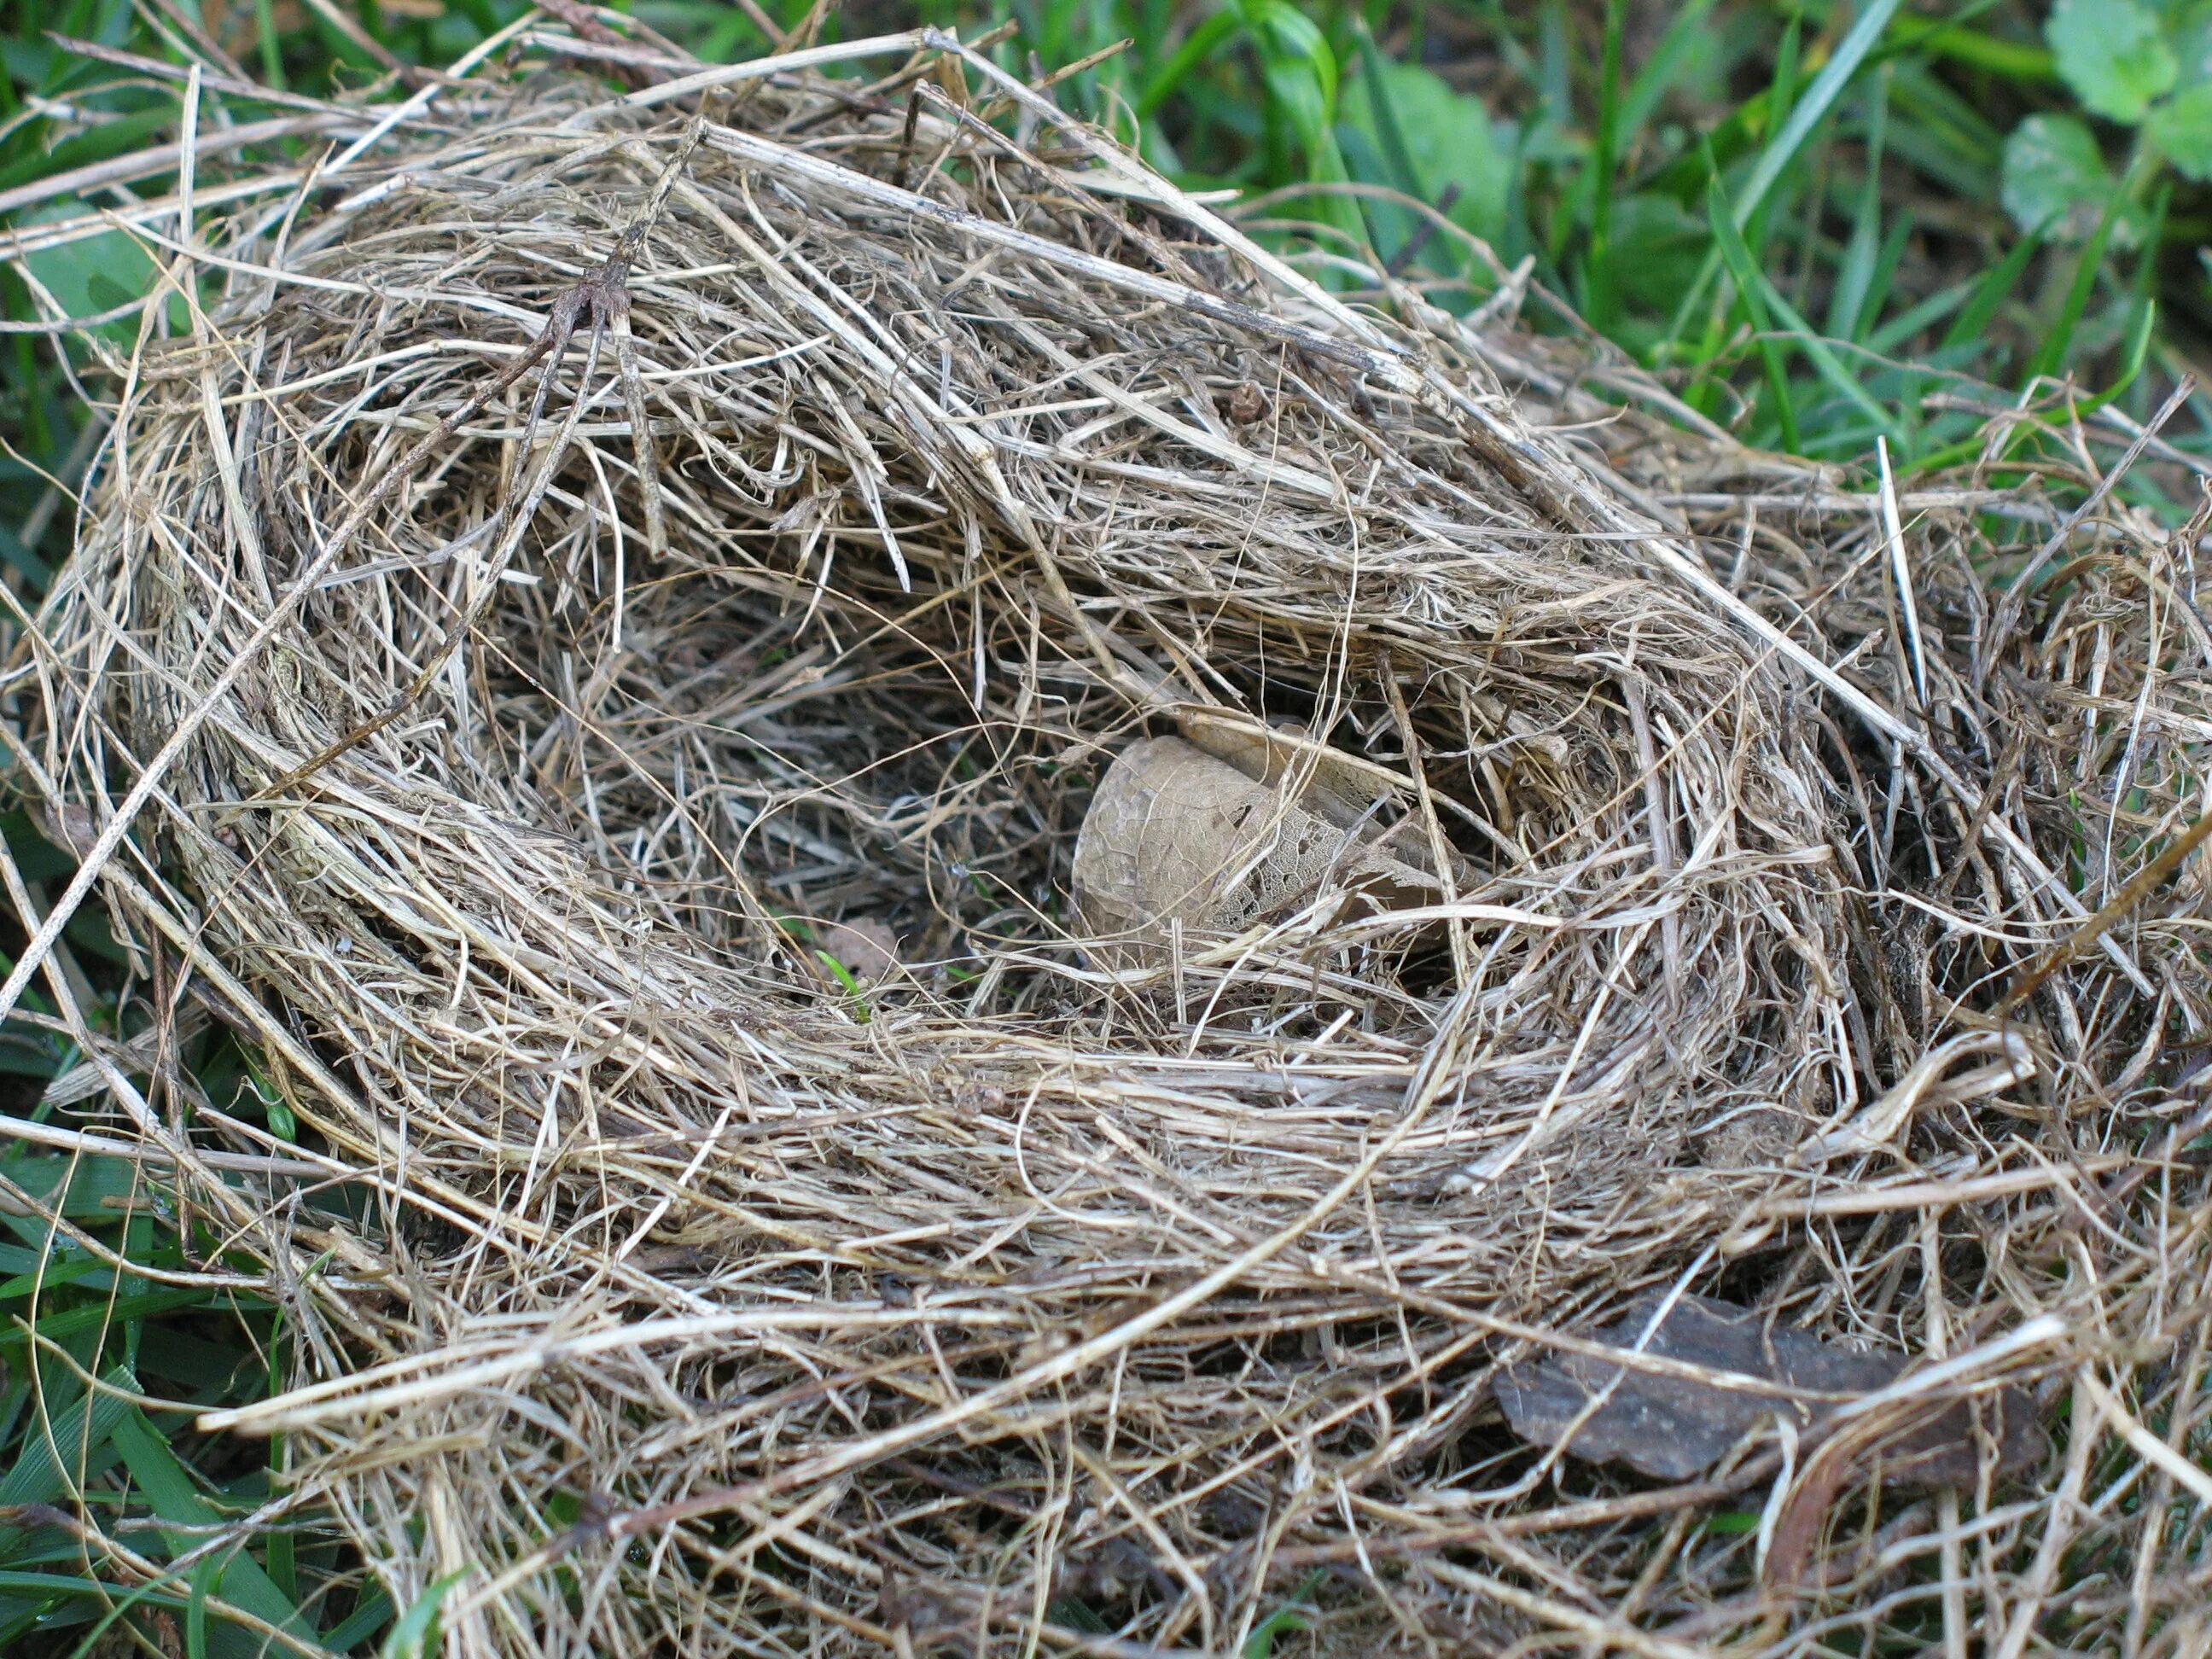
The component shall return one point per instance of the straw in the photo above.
(634, 535)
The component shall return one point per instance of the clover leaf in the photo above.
(2181, 127)
(2055, 180)
(2113, 55)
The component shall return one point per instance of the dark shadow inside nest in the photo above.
(785, 753)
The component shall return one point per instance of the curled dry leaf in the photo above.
(1675, 1427)
(1345, 789)
(1111, 1570)
(1233, 821)
(923, 1612)
(1178, 835)
(1248, 403)
(69, 826)
(867, 949)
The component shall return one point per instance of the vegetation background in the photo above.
(1819, 224)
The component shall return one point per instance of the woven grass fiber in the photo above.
(598, 622)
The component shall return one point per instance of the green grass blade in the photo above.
(1921, 315)
(1835, 75)
(87, 1189)
(1948, 37)
(373, 1613)
(1887, 262)
(1829, 365)
(1555, 57)
(51, 1585)
(196, 1619)
(2132, 359)
(1397, 157)
(1072, 1614)
(1398, 168)
(1292, 1616)
(272, 49)
(415, 1635)
(2058, 340)
(1201, 44)
(38, 1475)
(843, 976)
(101, 1316)
(1751, 293)
(1993, 291)
(734, 29)
(174, 1496)
(1598, 281)
(103, 142)
(1657, 76)
(1855, 276)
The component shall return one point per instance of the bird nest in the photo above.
(603, 637)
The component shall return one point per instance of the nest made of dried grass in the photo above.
(598, 545)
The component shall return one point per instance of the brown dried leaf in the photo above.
(1675, 1428)
(1178, 835)
(1343, 788)
(867, 948)
(68, 825)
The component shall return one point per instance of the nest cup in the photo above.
(602, 557)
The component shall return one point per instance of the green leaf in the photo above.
(2189, 28)
(49, 1454)
(2054, 176)
(2181, 127)
(1297, 64)
(1811, 110)
(1990, 293)
(1285, 1618)
(370, 1616)
(2113, 55)
(175, 1497)
(1753, 294)
(95, 274)
(1445, 136)
(415, 1635)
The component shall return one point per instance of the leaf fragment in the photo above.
(2113, 54)
(1675, 1427)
